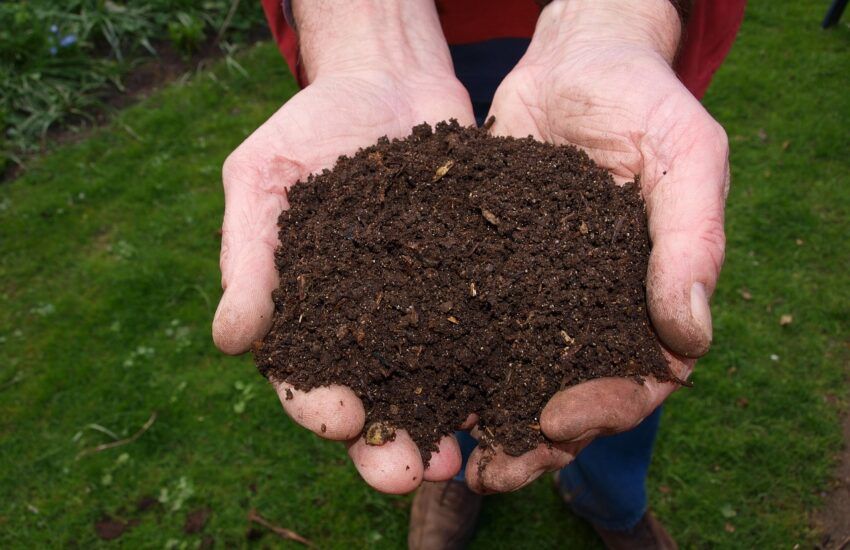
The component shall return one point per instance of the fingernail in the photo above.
(700, 311)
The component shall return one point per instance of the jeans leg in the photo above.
(467, 445)
(607, 480)
(481, 66)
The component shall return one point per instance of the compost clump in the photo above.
(454, 272)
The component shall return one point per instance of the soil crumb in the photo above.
(109, 528)
(833, 519)
(196, 520)
(453, 272)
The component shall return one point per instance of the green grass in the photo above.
(109, 277)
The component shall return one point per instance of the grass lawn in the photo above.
(109, 279)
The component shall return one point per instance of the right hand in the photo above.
(598, 75)
(348, 105)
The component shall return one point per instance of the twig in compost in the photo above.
(145, 427)
(443, 170)
(616, 229)
(282, 532)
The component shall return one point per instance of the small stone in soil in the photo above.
(379, 433)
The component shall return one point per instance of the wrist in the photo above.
(648, 25)
(371, 35)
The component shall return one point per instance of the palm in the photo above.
(308, 134)
(582, 103)
(592, 102)
(331, 117)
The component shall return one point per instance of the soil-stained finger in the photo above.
(445, 463)
(244, 313)
(332, 412)
(470, 421)
(598, 407)
(502, 473)
(394, 467)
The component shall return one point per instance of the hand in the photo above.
(597, 75)
(376, 68)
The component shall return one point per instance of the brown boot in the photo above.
(443, 516)
(648, 534)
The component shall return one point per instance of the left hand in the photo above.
(598, 75)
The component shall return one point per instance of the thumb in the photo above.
(685, 208)
(255, 194)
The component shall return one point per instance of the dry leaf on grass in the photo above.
(282, 532)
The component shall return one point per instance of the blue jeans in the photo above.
(607, 480)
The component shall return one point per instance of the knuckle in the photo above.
(717, 140)
(235, 164)
(712, 238)
(625, 419)
(260, 171)
(721, 136)
(712, 134)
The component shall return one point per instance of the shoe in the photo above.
(648, 534)
(443, 516)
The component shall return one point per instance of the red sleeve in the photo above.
(285, 38)
(708, 38)
(468, 21)
(710, 33)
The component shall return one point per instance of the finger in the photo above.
(507, 119)
(394, 467)
(470, 421)
(600, 407)
(685, 208)
(332, 412)
(444, 464)
(493, 471)
(255, 195)
(244, 313)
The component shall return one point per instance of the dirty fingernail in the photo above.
(701, 312)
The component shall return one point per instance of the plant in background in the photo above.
(44, 77)
(57, 59)
(186, 33)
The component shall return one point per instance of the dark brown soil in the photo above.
(196, 520)
(833, 519)
(453, 272)
(109, 528)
